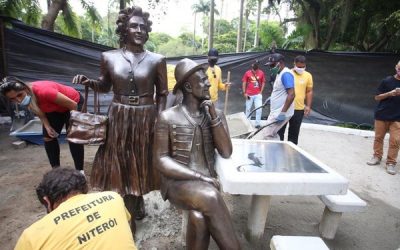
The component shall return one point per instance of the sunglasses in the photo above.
(273, 65)
(8, 81)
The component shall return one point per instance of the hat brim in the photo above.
(189, 73)
(269, 63)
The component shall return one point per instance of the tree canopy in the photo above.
(352, 25)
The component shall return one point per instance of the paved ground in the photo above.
(377, 228)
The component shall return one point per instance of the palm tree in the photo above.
(200, 7)
(27, 10)
(250, 4)
(68, 15)
(256, 39)
(211, 26)
(240, 28)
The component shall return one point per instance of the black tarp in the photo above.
(344, 83)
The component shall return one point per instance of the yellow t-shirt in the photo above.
(85, 221)
(171, 77)
(301, 83)
(215, 77)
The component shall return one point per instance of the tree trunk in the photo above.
(51, 16)
(211, 26)
(348, 9)
(194, 34)
(332, 32)
(240, 28)
(220, 15)
(361, 32)
(122, 4)
(256, 39)
(246, 21)
(311, 13)
(381, 41)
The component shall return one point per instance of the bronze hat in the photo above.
(185, 68)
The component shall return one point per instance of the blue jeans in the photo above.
(257, 100)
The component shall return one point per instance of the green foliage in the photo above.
(91, 12)
(90, 31)
(150, 46)
(175, 47)
(228, 38)
(223, 26)
(269, 32)
(201, 7)
(159, 38)
(363, 25)
(108, 37)
(26, 10)
(296, 40)
(187, 39)
(68, 23)
(225, 47)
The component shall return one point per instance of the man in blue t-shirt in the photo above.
(387, 118)
(282, 96)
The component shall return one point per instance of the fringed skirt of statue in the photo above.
(124, 162)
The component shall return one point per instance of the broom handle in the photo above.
(227, 92)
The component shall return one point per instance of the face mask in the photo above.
(212, 62)
(299, 70)
(26, 100)
(275, 69)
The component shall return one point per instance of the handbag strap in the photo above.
(255, 76)
(84, 106)
(96, 101)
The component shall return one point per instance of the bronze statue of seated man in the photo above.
(185, 141)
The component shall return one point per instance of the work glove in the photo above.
(281, 117)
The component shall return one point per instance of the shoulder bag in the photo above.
(86, 128)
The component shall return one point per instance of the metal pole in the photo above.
(4, 71)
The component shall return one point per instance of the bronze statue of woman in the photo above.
(124, 163)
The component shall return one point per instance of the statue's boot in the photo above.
(139, 210)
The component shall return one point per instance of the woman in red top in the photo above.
(52, 103)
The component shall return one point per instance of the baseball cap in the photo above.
(274, 58)
(213, 53)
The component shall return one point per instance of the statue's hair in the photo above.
(123, 19)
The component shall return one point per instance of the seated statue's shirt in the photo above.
(197, 160)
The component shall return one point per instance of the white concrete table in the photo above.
(266, 168)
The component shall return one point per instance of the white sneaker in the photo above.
(391, 169)
(82, 172)
(374, 161)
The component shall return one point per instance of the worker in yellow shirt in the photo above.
(76, 219)
(214, 74)
(303, 88)
(172, 99)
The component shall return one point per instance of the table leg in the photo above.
(257, 217)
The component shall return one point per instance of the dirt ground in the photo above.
(377, 228)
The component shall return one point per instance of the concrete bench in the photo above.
(335, 205)
(279, 242)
